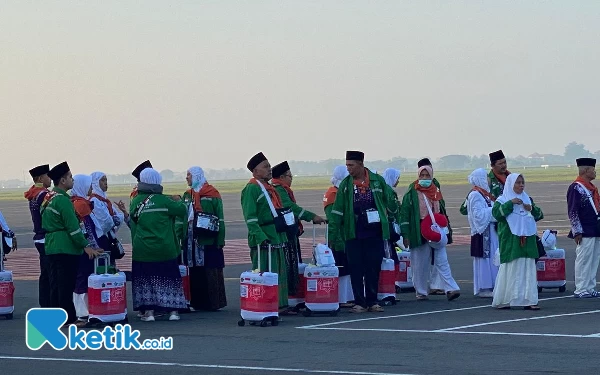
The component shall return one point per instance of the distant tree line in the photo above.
(325, 167)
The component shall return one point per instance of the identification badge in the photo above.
(203, 222)
(289, 218)
(373, 217)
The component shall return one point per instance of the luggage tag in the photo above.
(372, 216)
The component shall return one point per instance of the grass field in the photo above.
(559, 174)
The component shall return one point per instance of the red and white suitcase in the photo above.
(404, 279)
(297, 300)
(107, 294)
(386, 292)
(259, 296)
(551, 271)
(322, 294)
(7, 287)
(322, 281)
(184, 271)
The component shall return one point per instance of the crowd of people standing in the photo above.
(367, 220)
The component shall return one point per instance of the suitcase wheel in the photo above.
(9, 316)
(275, 322)
(307, 312)
(562, 289)
(263, 323)
(241, 323)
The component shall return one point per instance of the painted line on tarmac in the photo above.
(194, 365)
(458, 332)
(516, 320)
(317, 326)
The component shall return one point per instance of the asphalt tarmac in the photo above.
(464, 336)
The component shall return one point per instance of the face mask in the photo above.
(425, 183)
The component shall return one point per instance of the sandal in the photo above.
(358, 309)
(421, 297)
(375, 308)
(533, 307)
(503, 307)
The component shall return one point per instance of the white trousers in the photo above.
(81, 304)
(420, 262)
(586, 264)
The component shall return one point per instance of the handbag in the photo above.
(540, 247)
(206, 225)
(283, 218)
(117, 251)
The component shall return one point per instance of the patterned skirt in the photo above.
(157, 286)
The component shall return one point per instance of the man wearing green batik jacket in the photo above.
(64, 243)
(258, 196)
(360, 219)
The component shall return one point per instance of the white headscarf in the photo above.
(339, 173)
(198, 179)
(81, 185)
(479, 179)
(391, 175)
(150, 176)
(96, 176)
(520, 221)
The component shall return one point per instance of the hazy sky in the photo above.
(107, 84)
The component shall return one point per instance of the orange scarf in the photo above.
(362, 186)
(272, 192)
(485, 193)
(592, 189)
(329, 197)
(207, 191)
(83, 207)
(287, 188)
(134, 193)
(501, 177)
(33, 192)
(432, 192)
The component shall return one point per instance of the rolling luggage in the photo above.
(386, 291)
(184, 271)
(259, 296)
(322, 281)
(107, 294)
(551, 271)
(7, 287)
(404, 280)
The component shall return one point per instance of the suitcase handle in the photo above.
(106, 257)
(269, 251)
(1, 251)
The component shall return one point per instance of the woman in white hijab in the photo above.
(516, 284)
(484, 239)
(203, 248)
(341, 261)
(82, 188)
(109, 217)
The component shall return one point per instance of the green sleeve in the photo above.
(249, 197)
(501, 210)
(176, 208)
(335, 224)
(463, 208)
(71, 223)
(405, 214)
(218, 207)
(536, 212)
(298, 211)
(391, 202)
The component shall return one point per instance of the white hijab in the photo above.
(96, 176)
(479, 179)
(520, 221)
(81, 185)
(198, 179)
(150, 176)
(339, 173)
(391, 175)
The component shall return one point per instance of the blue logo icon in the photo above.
(43, 326)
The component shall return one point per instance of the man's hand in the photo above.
(14, 244)
(318, 220)
(92, 253)
(578, 239)
(122, 207)
(176, 198)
